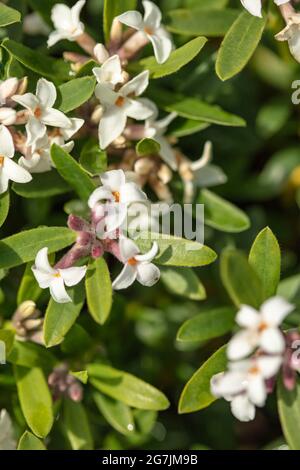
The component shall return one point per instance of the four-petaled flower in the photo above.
(67, 22)
(110, 73)
(7, 89)
(9, 170)
(255, 6)
(150, 25)
(41, 111)
(56, 279)
(119, 105)
(244, 384)
(260, 329)
(118, 194)
(136, 266)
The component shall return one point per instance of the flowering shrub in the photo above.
(112, 209)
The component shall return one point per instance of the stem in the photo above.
(87, 43)
(134, 44)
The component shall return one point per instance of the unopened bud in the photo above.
(8, 116)
(77, 223)
(144, 166)
(97, 114)
(165, 174)
(26, 309)
(101, 53)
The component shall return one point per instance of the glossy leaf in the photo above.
(126, 388)
(73, 94)
(28, 354)
(35, 400)
(77, 426)
(265, 259)
(60, 318)
(23, 247)
(209, 324)
(6, 337)
(99, 290)
(239, 45)
(8, 15)
(196, 394)
(113, 9)
(81, 375)
(289, 413)
(4, 207)
(93, 159)
(72, 172)
(29, 441)
(116, 413)
(183, 282)
(147, 147)
(43, 185)
(29, 288)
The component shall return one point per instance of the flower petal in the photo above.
(257, 391)
(125, 278)
(55, 118)
(7, 116)
(242, 408)
(272, 341)
(42, 263)
(55, 37)
(162, 47)
(131, 192)
(241, 345)
(8, 88)
(137, 85)
(210, 175)
(7, 148)
(150, 255)
(231, 383)
(58, 291)
(35, 130)
(76, 11)
(275, 309)
(46, 93)
(112, 125)
(253, 6)
(269, 365)
(4, 180)
(110, 72)
(166, 152)
(28, 101)
(73, 276)
(114, 179)
(15, 172)
(61, 16)
(69, 132)
(137, 109)
(115, 217)
(128, 249)
(147, 274)
(133, 19)
(248, 317)
(100, 194)
(106, 95)
(153, 15)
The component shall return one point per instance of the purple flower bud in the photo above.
(77, 224)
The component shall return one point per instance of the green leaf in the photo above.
(29, 441)
(178, 59)
(93, 159)
(182, 127)
(60, 318)
(43, 185)
(239, 45)
(183, 282)
(126, 388)
(116, 413)
(81, 375)
(4, 207)
(77, 426)
(240, 279)
(289, 413)
(8, 15)
(23, 247)
(196, 394)
(147, 147)
(99, 290)
(73, 94)
(29, 288)
(209, 324)
(175, 251)
(7, 337)
(27, 354)
(54, 69)
(200, 22)
(35, 399)
(113, 8)
(72, 172)
(221, 214)
(265, 259)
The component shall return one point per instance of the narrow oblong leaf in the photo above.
(265, 259)
(178, 59)
(29, 441)
(99, 290)
(23, 247)
(147, 147)
(240, 279)
(60, 318)
(76, 92)
(8, 15)
(175, 251)
(209, 324)
(113, 9)
(28, 354)
(4, 207)
(221, 214)
(239, 45)
(116, 413)
(6, 337)
(183, 282)
(29, 288)
(72, 172)
(77, 426)
(42, 185)
(289, 413)
(126, 388)
(196, 394)
(35, 399)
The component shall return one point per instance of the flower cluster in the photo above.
(256, 353)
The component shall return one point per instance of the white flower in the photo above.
(136, 266)
(67, 22)
(118, 106)
(260, 329)
(255, 6)
(110, 73)
(244, 384)
(7, 116)
(9, 170)
(150, 25)
(7, 89)
(291, 33)
(41, 111)
(101, 53)
(33, 24)
(56, 279)
(7, 440)
(117, 194)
